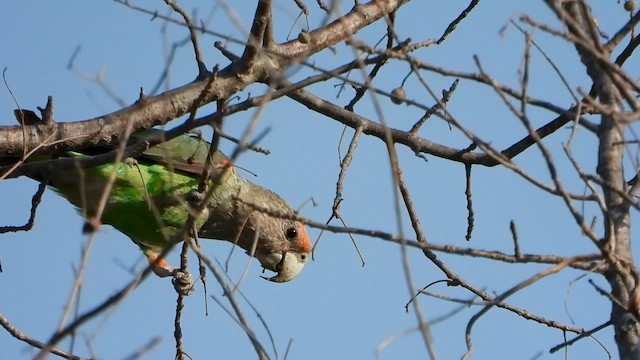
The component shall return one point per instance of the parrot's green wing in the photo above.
(186, 154)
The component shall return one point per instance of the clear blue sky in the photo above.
(336, 309)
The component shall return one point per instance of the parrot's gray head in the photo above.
(281, 245)
(253, 220)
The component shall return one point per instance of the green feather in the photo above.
(160, 179)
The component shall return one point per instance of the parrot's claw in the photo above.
(183, 283)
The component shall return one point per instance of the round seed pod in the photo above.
(398, 95)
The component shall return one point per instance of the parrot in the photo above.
(152, 197)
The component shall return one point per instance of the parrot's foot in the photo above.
(182, 280)
(183, 283)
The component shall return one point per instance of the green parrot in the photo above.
(151, 197)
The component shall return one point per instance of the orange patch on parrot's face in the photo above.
(304, 242)
(229, 168)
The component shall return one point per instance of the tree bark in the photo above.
(616, 243)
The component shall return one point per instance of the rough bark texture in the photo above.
(617, 241)
(151, 111)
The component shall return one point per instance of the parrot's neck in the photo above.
(228, 212)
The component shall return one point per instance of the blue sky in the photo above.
(336, 308)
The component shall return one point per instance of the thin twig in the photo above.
(33, 342)
(467, 193)
(77, 284)
(505, 295)
(152, 343)
(516, 242)
(452, 26)
(337, 201)
(202, 68)
(588, 333)
(177, 329)
(35, 201)
(228, 293)
(446, 96)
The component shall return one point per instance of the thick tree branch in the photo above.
(261, 22)
(158, 110)
(616, 244)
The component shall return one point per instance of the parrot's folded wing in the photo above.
(185, 154)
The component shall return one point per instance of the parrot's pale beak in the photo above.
(289, 267)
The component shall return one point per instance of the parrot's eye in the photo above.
(291, 233)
